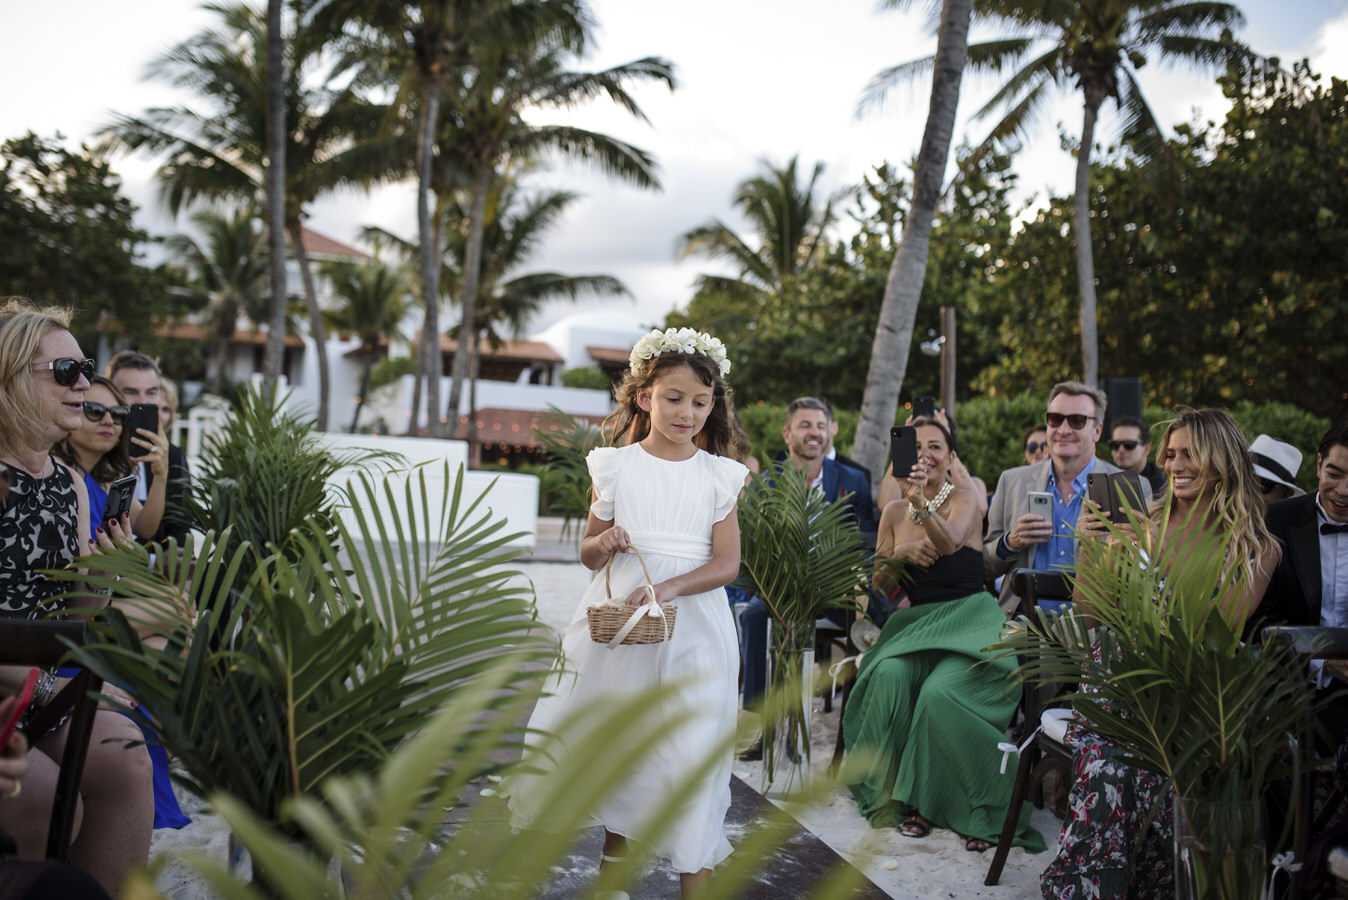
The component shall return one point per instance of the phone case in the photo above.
(143, 415)
(903, 448)
(25, 698)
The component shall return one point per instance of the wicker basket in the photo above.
(609, 618)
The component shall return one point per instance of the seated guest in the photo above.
(929, 706)
(1036, 444)
(1019, 539)
(1275, 465)
(806, 432)
(1310, 586)
(891, 490)
(138, 378)
(97, 452)
(44, 524)
(1130, 445)
(1110, 804)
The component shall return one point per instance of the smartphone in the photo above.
(1041, 504)
(142, 415)
(1099, 493)
(1127, 490)
(119, 498)
(21, 701)
(924, 405)
(903, 447)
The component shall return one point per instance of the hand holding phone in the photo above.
(142, 415)
(903, 448)
(119, 498)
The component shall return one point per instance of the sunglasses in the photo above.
(95, 412)
(1076, 420)
(66, 371)
(1035, 447)
(1130, 446)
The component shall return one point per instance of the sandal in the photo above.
(915, 827)
(977, 845)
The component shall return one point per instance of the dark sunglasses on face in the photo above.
(1266, 486)
(1130, 446)
(66, 371)
(95, 412)
(1035, 447)
(1076, 420)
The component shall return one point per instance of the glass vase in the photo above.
(786, 708)
(1219, 850)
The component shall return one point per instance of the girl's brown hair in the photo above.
(630, 424)
(111, 465)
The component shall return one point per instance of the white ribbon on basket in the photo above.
(650, 608)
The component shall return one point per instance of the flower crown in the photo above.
(682, 340)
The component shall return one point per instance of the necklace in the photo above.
(43, 470)
(934, 504)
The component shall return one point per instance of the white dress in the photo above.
(668, 509)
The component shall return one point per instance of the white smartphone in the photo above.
(1041, 504)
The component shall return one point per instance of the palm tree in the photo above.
(903, 287)
(228, 271)
(422, 44)
(788, 221)
(275, 168)
(221, 151)
(1096, 46)
(487, 115)
(374, 298)
(514, 226)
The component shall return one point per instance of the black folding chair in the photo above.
(28, 643)
(1044, 753)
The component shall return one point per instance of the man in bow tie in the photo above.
(1310, 585)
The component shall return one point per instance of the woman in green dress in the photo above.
(929, 706)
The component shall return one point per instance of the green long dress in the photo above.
(927, 711)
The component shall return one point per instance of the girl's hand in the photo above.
(915, 484)
(613, 540)
(642, 596)
(921, 552)
(156, 446)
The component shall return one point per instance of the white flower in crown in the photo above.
(681, 340)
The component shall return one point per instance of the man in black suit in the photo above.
(1310, 585)
(138, 378)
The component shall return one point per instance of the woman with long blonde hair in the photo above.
(1211, 487)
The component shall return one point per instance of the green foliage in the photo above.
(382, 835)
(1171, 684)
(265, 475)
(763, 424)
(68, 238)
(390, 369)
(281, 671)
(591, 377)
(991, 429)
(566, 478)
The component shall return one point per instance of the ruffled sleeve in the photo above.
(728, 476)
(603, 464)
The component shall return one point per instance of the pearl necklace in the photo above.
(934, 504)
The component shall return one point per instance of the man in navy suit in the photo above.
(807, 432)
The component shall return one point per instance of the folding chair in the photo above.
(29, 643)
(1046, 752)
(1317, 642)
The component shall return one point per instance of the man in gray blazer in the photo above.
(1017, 539)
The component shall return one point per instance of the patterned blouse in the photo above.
(37, 531)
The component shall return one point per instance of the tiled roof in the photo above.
(191, 331)
(322, 245)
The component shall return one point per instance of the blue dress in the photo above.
(167, 812)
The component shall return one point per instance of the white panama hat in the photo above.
(1276, 461)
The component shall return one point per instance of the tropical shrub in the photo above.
(591, 377)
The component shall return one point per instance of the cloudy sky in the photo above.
(758, 80)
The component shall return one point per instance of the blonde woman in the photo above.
(1211, 486)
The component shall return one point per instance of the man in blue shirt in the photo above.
(1019, 539)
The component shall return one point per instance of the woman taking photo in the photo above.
(1211, 486)
(929, 706)
(97, 451)
(44, 524)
